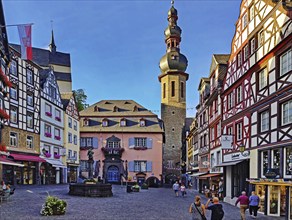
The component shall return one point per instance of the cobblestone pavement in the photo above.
(155, 203)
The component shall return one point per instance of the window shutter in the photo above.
(149, 166)
(131, 166)
(149, 142)
(95, 143)
(131, 142)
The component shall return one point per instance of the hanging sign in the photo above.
(226, 141)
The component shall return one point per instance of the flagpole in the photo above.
(13, 25)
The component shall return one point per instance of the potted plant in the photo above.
(48, 114)
(47, 134)
(58, 118)
(57, 156)
(136, 188)
(144, 186)
(47, 154)
(58, 138)
(53, 206)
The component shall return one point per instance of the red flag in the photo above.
(24, 32)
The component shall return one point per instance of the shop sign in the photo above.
(272, 173)
(226, 141)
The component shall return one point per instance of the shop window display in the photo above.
(274, 198)
(260, 191)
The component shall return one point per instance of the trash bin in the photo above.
(129, 189)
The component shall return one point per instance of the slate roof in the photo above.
(44, 57)
(44, 73)
(115, 110)
(188, 123)
(222, 58)
(65, 97)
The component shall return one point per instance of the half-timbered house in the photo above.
(51, 130)
(203, 133)
(22, 134)
(218, 71)
(256, 107)
(71, 137)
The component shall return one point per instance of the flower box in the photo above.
(3, 114)
(57, 156)
(48, 134)
(58, 118)
(58, 138)
(48, 114)
(140, 148)
(47, 154)
(4, 79)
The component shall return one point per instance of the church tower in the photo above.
(173, 96)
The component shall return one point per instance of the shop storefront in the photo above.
(72, 173)
(51, 172)
(275, 196)
(210, 183)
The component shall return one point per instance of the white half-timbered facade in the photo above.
(51, 130)
(257, 91)
(71, 137)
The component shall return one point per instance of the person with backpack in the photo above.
(198, 209)
(216, 208)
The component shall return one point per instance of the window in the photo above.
(212, 134)
(48, 110)
(239, 61)
(261, 38)
(263, 78)
(56, 151)
(89, 142)
(265, 123)
(13, 92)
(13, 114)
(182, 90)
(164, 90)
(57, 114)
(75, 125)
(244, 20)
(75, 139)
(46, 149)
(245, 53)
(218, 157)
(286, 62)
(265, 162)
(57, 134)
(239, 131)
(212, 160)
(238, 94)
(230, 100)
(85, 122)
(140, 142)
(218, 129)
(113, 144)
(13, 139)
(48, 132)
(29, 76)
(75, 155)
(251, 12)
(29, 142)
(70, 122)
(83, 142)
(276, 158)
(140, 166)
(172, 88)
(229, 131)
(29, 99)
(123, 123)
(105, 123)
(288, 161)
(52, 91)
(29, 120)
(287, 112)
(13, 67)
(252, 46)
(69, 137)
(142, 123)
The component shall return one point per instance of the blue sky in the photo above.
(116, 45)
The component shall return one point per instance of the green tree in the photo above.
(80, 97)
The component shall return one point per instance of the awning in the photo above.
(26, 157)
(56, 163)
(272, 183)
(209, 175)
(72, 165)
(229, 163)
(197, 174)
(9, 162)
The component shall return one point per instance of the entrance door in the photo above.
(113, 174)
(274, 200)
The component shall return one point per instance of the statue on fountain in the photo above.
(90, 161)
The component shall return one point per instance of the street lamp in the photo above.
(242, 148)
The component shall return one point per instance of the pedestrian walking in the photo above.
(175, 188)
(198, 209)
(183, 190)
(216, 208)
(243, 201)
(254, 201)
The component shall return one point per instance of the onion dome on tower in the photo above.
(173, 60)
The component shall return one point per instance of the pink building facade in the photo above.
(126, 139)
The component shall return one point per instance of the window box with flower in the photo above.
(48, 114)
(47, 134)
(58, 118)
(140, 148)
(3, 114)
(58, 138)
(47, 154)
(57, 156)
(4, 79)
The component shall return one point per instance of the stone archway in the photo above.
(153, 181)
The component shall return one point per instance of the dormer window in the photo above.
(135, 109)
(104, 122)
(142, 122)
(96, 109)
(123, 122)
(116, 109)
(85, 122)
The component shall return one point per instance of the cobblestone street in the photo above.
(155, 203)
